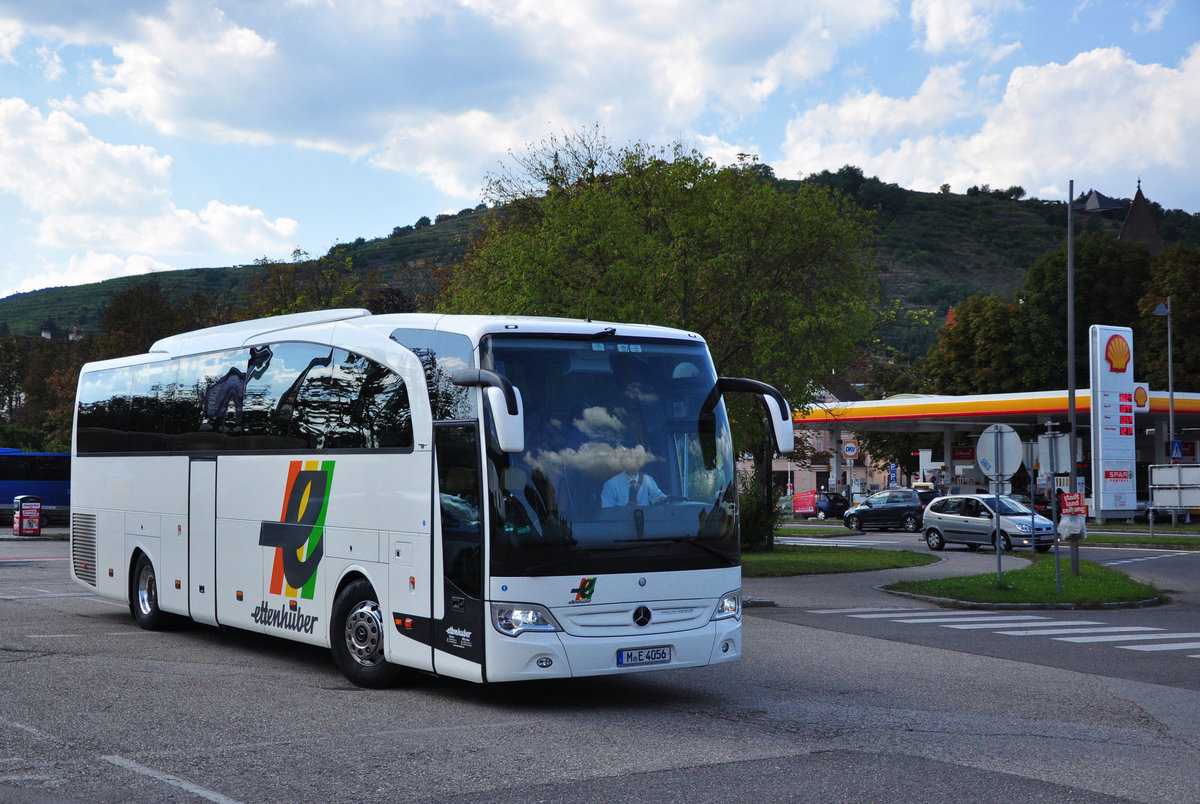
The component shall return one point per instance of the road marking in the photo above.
(984, 625)
(30, 730)
(1111, 629)
(1180, 646)
(1127, 637)
(167, 778)
(41, 597)
(1143, 558)
(34, 558)
(1051, 627)
(963, 622)
(897, 609)
(914, 612)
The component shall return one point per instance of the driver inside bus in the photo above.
(631, 486)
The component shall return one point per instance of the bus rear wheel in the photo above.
(356, 637)
(143, 596)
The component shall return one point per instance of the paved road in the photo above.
(824, 707)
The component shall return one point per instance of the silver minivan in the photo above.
(970, 519)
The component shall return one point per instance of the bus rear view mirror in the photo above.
(779, 415)
(505, 402)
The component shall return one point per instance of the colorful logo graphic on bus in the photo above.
(585, 590)
(298, 535)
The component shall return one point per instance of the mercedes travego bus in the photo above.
(486, 498)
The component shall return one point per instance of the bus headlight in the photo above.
(730, 605)
(515, 618)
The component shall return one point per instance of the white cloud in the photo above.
(10, 37)
(96, 195)
(960, 25)
(187, 73)
(91, 267)
(52, 66)
(1156, 14)
(1102, 115)
(848, 132)
(518, 71)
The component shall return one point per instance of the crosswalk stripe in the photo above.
(1180, 646)
(1110, 629)
(1127, 637)
(987, 620)
(1051, 627)
(862, 609)
(993, 625)
(915, 613)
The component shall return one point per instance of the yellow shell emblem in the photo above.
(1117, 354)
(1140, 396)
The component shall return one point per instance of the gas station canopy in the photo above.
(1025, 412)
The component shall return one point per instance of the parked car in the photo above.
(829, 505)
(970, 519)
(891, 508)
(1040, 504)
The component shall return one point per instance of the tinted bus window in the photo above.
(440, 354)
(104, 410)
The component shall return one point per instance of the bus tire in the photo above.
(356, 634)
(143, 595)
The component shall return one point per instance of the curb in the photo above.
(952, 603)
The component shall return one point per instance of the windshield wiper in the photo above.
(692, 540)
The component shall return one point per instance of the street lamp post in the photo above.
(1165, 309)
(1071, 356)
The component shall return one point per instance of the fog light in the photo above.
(544, 662)
(724, 647)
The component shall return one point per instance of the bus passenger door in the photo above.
(202, 532)
(459, 619)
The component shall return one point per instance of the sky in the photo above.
(144, 136)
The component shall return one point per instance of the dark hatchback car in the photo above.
(890, 509)
(829, 505)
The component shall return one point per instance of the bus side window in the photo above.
(104, 410)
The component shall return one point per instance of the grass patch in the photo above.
(787, 559)
(1036, 584)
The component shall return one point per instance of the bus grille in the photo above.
(83, 547)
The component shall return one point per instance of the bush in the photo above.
(758, 514)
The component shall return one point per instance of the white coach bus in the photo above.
(486, 498)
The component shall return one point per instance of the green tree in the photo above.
(134, 319)
(307, 284)
(1110, 278)
(1176, 274)
(982, 350)
(779, 283)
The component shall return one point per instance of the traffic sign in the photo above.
(1176, 451)
(998, 452)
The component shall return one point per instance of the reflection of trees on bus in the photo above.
(293, 396)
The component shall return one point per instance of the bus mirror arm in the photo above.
(505, 401)
(779, 415)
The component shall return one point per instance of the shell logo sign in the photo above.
(1117, 353)
(1141, 398)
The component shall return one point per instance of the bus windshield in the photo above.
(628, 462)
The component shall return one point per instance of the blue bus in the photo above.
(43, 474)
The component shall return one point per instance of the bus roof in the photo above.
(475, 327)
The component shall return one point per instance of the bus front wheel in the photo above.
(356, 637)
(143, 597)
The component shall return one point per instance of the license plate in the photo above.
(635, 656)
